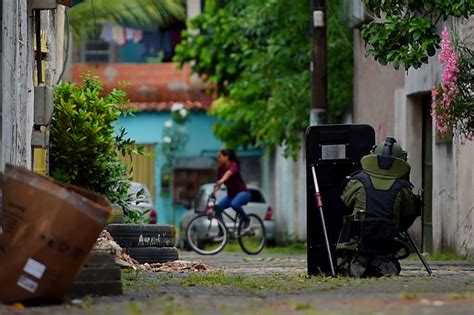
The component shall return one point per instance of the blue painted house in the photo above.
(195, 162)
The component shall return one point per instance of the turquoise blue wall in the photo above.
(147, 127)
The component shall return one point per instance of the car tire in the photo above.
(153, 254)
(143, 235)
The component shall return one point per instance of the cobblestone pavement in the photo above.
(277, 284)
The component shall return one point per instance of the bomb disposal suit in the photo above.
(380, 204)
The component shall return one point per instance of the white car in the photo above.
(142, 201)
(257, 205)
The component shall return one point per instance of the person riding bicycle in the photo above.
(380, 204)
(228, 173)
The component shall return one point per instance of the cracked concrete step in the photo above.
(99, 276)
(100, 258)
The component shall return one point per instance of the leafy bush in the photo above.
(84, 146)
(137, 217)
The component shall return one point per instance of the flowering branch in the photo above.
(174, 134)
(452, 99)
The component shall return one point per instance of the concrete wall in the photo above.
(374, 87)
(17, 84)
(288, 194)
(463, 234)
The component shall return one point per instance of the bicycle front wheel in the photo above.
(206, 235)
(253, 239)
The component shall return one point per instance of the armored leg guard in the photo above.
(384, 266)
(358, 265)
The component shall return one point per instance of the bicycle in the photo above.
(208, 234)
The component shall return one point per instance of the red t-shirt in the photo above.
(235, 183)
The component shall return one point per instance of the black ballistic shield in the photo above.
(335, 151)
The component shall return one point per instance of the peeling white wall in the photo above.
(17, 84)
(17, 64)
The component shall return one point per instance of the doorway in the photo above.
(427, 174)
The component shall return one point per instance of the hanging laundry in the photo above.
(119, 35)
(137, 36)
(128, 34)
(106, 33)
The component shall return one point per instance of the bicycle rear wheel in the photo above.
(206, 235)
(252, 240)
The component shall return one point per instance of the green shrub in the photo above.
(84, 144)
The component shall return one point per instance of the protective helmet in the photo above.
(390, 147)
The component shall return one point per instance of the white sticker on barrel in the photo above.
(27, 284)
(34, 268)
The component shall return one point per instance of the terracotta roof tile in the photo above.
(152, 87)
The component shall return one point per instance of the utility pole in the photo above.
(319, 81)
(318, 262)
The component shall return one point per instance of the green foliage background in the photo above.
(257, 54)
(407, 35)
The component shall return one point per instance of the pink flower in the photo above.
(446, 47)
(444, 94)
